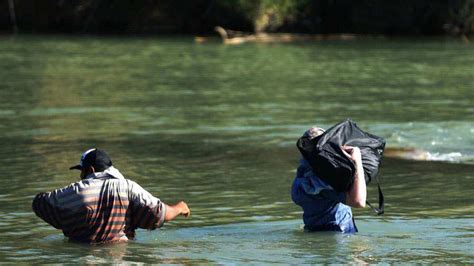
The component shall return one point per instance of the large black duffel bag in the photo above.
(324, 154)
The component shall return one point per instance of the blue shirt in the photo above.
(323, 207)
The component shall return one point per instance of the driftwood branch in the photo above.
(238, 37)
(406, 153)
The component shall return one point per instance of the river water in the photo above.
(216, 126)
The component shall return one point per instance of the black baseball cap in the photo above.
(95, 158)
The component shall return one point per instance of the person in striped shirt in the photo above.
(103, 206)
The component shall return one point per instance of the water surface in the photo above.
(216, 126)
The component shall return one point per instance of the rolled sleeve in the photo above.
(161, 220)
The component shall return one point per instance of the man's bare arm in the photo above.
(357, 195)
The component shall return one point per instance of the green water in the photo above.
(216, 126)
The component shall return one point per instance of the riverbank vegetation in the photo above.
(391, 17)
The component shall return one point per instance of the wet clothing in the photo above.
(323, 207)
(103, 207)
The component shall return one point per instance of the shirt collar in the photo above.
(110, 172)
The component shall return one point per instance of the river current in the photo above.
(216, 126)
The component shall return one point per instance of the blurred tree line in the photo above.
(393, 17)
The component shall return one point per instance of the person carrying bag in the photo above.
(333, 173)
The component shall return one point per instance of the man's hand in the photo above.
(181, 208)
(353, 153)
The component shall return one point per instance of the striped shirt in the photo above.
(103, 207)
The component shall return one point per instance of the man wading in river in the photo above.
(325, 209)
(103, 206)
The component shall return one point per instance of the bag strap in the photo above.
(380, 210)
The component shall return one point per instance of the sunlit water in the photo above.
(216, 126)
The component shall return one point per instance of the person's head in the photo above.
(313, 132)
(93, 160)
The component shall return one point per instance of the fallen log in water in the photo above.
(406, 153)
(238, 37)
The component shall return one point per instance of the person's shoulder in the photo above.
(132, 185)
(72, 186)
(129, 181)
